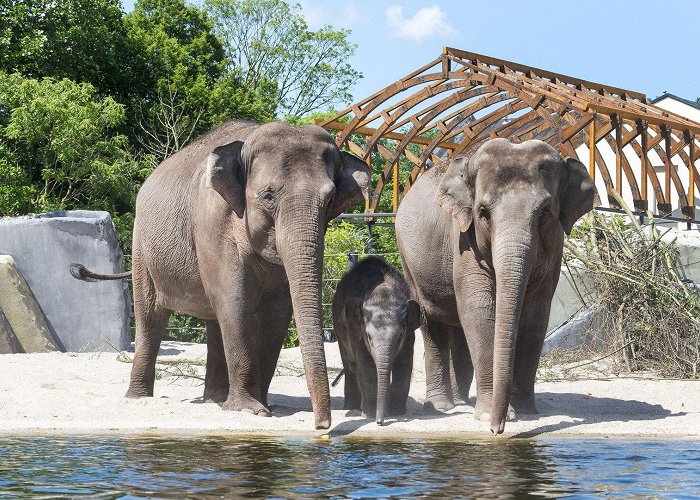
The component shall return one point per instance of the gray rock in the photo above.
(8, 340)
(81, 316)
(22, 311)
(588, 329)
(567, 301)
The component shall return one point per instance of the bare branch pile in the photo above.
(637, 279)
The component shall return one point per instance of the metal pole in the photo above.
(353, 260)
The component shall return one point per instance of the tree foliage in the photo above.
(190, 88)
(83, 40)
(269, 41)
(60, 149)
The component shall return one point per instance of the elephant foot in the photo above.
(438, 405)
(354, 412)
(524, 404)
(215, 395)
(136, 392)
(246, 405)
(483, 412)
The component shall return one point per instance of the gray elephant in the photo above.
(481, 242)
(225, 229)
(375, 321)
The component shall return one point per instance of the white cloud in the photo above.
(425, 23)
(317, 16)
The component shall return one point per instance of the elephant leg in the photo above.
(151, 321)
(532, 330)
(438, 387)
(367, 381)
(216, 378)
(401, 376)
(353, 398)
(461, 369)
(240, 332)
(274, 316)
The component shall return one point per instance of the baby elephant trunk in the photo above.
(383, 363)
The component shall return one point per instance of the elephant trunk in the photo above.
(513, 256)
(383, 384)
(301, 245)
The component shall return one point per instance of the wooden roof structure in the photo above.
(461, 99)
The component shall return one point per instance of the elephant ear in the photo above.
(225, 174)
(455, 193)
(578, 195)
(351, 311)
(351, 184)
(412, 315)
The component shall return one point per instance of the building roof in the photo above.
(694, 104)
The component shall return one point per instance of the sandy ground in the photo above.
(83, 393)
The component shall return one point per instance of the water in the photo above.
(108, 467)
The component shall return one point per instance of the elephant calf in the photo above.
(375, 321)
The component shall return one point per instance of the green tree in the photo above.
(59, 150)
(269, 40)
(190, 88)
(83, 40)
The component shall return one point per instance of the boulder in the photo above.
(22, 311)
(8, 340)
(588, 329)
(82, 316)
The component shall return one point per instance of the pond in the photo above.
(345, 467)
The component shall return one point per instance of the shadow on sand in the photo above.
(587, 409)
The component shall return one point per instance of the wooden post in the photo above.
(642, 129)
(691, 174)
(591, 150)
(367, 201)
(618, 154)
(396, 186)
(667, 141)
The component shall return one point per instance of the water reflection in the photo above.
(344, 467)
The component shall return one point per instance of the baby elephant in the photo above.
(375, 321)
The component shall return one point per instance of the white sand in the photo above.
(83, 393)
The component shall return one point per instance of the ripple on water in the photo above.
(103, 467)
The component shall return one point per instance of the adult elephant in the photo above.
(225, 229)
(481, 241)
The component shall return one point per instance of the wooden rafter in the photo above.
(462, 99)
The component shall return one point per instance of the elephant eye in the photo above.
(484, 213)
(544, 215)
(266, 195)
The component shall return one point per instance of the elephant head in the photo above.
(512, 203)
(287, 183)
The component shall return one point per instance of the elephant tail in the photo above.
(80, 272)
(337, 379)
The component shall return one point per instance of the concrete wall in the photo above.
(82, 316)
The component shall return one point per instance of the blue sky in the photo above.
(643, 45)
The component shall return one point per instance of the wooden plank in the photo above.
(543, 73)
(389, 135)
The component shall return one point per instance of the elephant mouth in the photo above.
(271, 256)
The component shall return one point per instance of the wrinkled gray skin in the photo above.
(375, 324)
(481, 242)
(224, 230)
